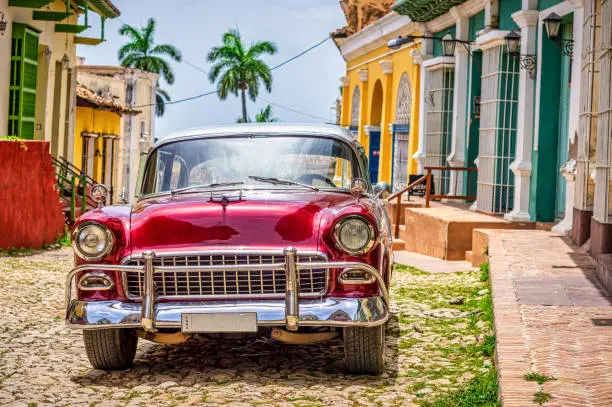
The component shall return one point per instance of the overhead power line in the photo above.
(291, 109)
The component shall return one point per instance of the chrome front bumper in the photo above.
(292, 312)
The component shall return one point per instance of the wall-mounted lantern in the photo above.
(553, 25)
(3, 23)
(65, 62)
(513, 48)
(448, 45)
(513, 42)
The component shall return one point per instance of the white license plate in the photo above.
(220, 322)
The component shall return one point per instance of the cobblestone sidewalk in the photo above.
(551, 318)
(42, 363)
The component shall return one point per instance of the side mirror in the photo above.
(382, 190)
(99, 194)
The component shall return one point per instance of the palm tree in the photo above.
(141, 52)
(240, 69)
(265, 115)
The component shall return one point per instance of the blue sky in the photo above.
(308, 84)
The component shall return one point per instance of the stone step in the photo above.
(468, 255)
(399, 244)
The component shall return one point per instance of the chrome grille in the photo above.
(313, 282)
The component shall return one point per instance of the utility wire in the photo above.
(301, 53)
(290, 109)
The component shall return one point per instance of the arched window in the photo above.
(401, 134)
(355, 107)
(404, 101)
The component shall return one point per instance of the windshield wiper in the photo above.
(277, 181)
(213, 185)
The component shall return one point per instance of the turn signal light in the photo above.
(349, 276)
(95, 282)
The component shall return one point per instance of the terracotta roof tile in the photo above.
(103, 102)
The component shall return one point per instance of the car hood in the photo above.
(257, 220)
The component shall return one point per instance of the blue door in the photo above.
(374, 155)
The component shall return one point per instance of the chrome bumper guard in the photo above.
(293, 312)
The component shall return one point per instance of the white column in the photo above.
(569, 172)
(418, 58)
(456, 158)
(569, 169)
(527, 20)
(5, 67)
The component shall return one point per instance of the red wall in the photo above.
(30, 210)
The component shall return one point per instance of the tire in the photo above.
(364, 350)
(110, 349)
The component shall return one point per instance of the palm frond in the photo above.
(262, 47)
(130, 31)
(167, 50)
(129, 48)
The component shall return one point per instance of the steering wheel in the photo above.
(308, 178)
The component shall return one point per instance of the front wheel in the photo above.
(364, 350)
(110, 349)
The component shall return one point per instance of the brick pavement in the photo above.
(551, 317)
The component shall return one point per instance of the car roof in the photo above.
(259, 129)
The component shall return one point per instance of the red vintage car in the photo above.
(238, 231)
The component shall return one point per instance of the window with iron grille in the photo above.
(439, 99)
(22, 85)
(589, 84)
(602, 210)
(498, 120)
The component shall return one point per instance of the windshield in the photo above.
(323, 163)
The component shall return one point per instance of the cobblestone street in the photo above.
(44, 363)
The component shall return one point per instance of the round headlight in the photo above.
(354, 235)
(92, 241)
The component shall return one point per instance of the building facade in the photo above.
(522, 94)
(380, 95)
(37, 67)
(131, 140)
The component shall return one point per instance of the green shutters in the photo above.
(22, 90)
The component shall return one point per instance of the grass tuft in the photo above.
(478, 392)
(484, 271)
(541, 397)
(537, 377)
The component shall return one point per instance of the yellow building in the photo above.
(380, 94)
(99, 120)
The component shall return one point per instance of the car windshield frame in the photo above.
(357, 150)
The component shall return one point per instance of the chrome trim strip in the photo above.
(331, 311)
(148, 300)
(292, 289)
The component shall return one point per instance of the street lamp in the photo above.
(448, 45)
(527, 62)
(3, 23)
(65, 62)
(396, 43)
(552, 24)
(513, 42)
